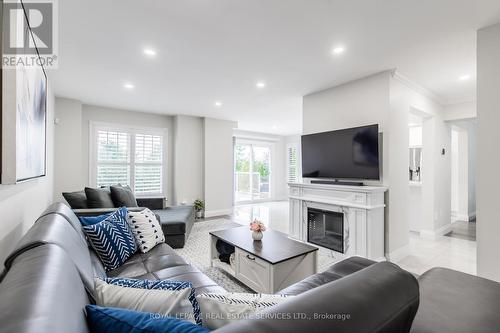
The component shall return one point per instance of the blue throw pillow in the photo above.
(112, 239)
(106, 320)
(161, 285)
(89, 220)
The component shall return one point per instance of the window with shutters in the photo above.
(128, 156)
(292, 163)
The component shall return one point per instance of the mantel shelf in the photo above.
(338, 202)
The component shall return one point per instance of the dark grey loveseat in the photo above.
(48, 280)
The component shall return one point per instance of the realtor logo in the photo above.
(30, 33)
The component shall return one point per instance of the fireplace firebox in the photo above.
(326, 229)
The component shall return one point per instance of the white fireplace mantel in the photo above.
(363, 209)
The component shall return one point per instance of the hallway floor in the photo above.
(457, 250)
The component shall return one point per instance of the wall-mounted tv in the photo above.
(351, 153)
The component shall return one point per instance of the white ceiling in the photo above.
(210, 50)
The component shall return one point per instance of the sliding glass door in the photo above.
(252, 172)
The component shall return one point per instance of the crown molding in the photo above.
(418, 88)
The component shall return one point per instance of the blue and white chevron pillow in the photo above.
(160, 285)
(112, 239)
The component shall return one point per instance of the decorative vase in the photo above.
(257, 235)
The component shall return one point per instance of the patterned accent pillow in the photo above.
(112, 239)
(146, 228)
(218, 310)
(161, 285)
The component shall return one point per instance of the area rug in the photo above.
(197, 249)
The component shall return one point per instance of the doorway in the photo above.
(252, 172)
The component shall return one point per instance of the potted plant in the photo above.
(199, 207)
(257, 227)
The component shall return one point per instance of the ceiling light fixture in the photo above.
(218, 104)
(261, 85)
(149, 52)
(464, 77)
(128, 86)
(338, 50)
(275, 127)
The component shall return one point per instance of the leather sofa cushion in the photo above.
(452, 301)
(163, 263)
(43, 292)
(335, 272)
(174, 219)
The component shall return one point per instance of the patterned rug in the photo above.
(197, 250)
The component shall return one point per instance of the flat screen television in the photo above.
(351, 153)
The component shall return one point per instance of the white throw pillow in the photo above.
(173, 303)
(218, 310)
(146, 229)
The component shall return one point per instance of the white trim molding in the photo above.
(218, 212)
(418, 88)
(398, 254)
(435, 234)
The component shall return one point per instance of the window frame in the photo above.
(131, 130)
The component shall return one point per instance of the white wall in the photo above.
(436, 180)
(188, 159)
(68, 145)
(363, 102)
(21, 204)
(460, 111)
(218, 166)
(72, 134)
(387, 101)
(488, 180)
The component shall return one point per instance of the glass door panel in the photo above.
(242, 179)
(252, 172)
(261, 174)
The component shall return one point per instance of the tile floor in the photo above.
(457, 250)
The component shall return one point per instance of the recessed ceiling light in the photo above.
(275, 127)
(464, 77)
(218, 104)
(338, 50)
(261, 84)
(129, 86)
(149, 52)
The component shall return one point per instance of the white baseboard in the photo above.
(435, 234)
(462, 217)
(218, 212)
(398, 254)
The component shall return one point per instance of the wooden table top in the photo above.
(274, 247)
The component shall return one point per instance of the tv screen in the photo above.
(344, 154)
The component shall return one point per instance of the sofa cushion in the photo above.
(163, 263)
(335, 272)
(55, 229)
(104, 320)
(43, 292)
(452, 301)
(76, 200)
(112, 239)
(123, 196)
(174, 220)
(99, 198)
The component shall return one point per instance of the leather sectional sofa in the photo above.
(48, 280)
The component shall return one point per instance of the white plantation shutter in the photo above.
(113, 158)
(131, 157)
(148, 163)
(292, 164)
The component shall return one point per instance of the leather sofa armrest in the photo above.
(379, 298)
(151, 203)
